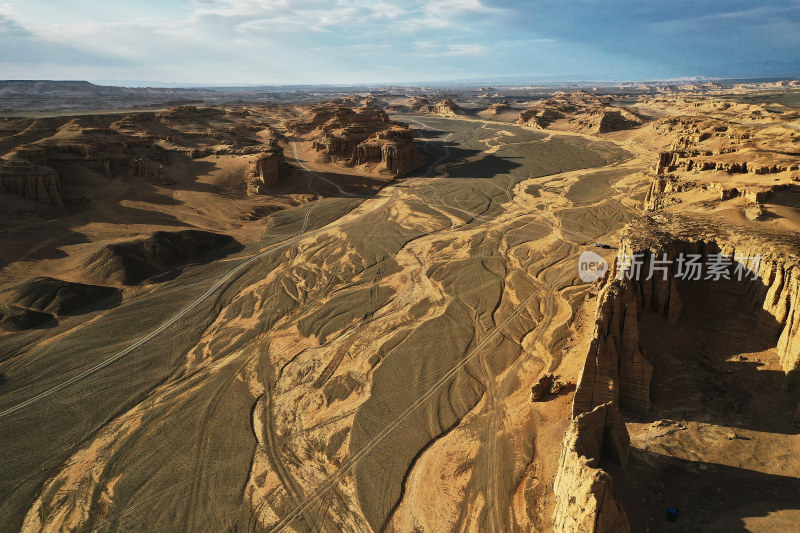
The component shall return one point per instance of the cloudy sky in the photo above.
(359, 41)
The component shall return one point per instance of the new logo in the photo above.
(591, 266)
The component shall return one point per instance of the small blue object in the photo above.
(672, 514)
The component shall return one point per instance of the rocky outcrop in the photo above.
(360, 136)
(580, 111)
(444, 107)
(265, 172)
(394, 149)
(541, 387)
(31, 181)
(584, 491)
(616, 369)
(498, 108)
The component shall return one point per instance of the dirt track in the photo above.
(364, 366)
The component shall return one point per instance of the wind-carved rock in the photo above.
(581, 111)
(444, 107)
(498, 108)
(265, 172)
(357, 136)
(583, 490)
(24, 172)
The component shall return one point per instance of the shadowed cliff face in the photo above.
(584, 491)
(713, 354)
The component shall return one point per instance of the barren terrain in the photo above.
(324, 317)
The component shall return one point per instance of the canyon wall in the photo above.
(616, 372)
(616, 369)
(30, 181)
(584, 495)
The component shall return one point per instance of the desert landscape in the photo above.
(365, 314)
(441, 266)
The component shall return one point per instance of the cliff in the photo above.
(615, 369)
(265, 172)
(33, 182)
(583, 490)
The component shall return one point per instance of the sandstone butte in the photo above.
(356, 136)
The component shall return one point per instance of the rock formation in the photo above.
(703, 144)
(580, 111)
(360, 136)
(583, 490)
(498, 108)
(616, 369)
(265, 172)
(77, 150)
(33, 182)
(444, 107)
(541, 387)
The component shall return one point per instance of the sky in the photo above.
(273, 42)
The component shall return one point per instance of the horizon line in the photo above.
(500, 80)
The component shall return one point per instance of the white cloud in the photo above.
(465, 50)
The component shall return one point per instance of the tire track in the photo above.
(348, 465)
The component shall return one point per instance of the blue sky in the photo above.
(357, 41)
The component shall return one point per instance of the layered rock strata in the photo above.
(33, 182)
